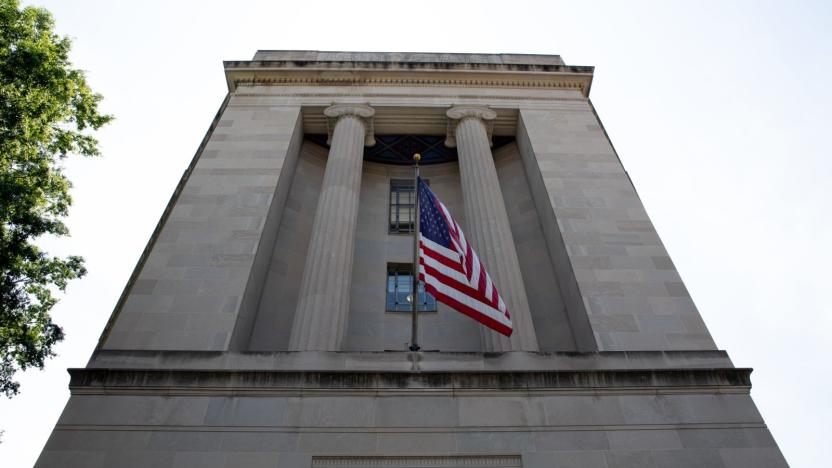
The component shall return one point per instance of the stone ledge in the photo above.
(404, 361)
(406, 57)
(105, 381)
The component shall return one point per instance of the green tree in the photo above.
(47, 112)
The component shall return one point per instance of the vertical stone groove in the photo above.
(324, 298)
(488, 226)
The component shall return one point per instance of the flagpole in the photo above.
(414, 294)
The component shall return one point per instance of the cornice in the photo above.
(301, 57)
(233, 382)
(391, 64)
(256, 74)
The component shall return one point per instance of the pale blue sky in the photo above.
(718, 110)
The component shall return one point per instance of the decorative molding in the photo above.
(234, 382)
(363, 112)
(265, 79)
(370, 81)
(569, 78)
(459, 113)
(280, 429)
(288, 93)
(413, 461)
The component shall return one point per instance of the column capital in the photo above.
(457, 114)
(361, 111)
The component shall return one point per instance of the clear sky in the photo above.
(719, 111)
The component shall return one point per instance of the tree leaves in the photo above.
(47, 110)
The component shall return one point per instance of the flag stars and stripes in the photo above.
(450, 268)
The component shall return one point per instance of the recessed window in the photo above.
(399, 288)
(402, 199)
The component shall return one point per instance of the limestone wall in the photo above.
(290, 421)
(614, 267)
(201, 275)
(276, 308)
(551, 323)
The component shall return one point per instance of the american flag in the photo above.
(450, 268)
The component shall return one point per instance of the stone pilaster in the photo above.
(488, 227)
(323, 303)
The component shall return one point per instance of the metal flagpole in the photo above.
(414, 293)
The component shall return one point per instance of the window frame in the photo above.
(430, 305)
(398, 186)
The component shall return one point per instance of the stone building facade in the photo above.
(263, 325)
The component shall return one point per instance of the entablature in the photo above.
(393, 120)
(422, 70)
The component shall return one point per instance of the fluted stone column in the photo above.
(488, 227)
(323, 304)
